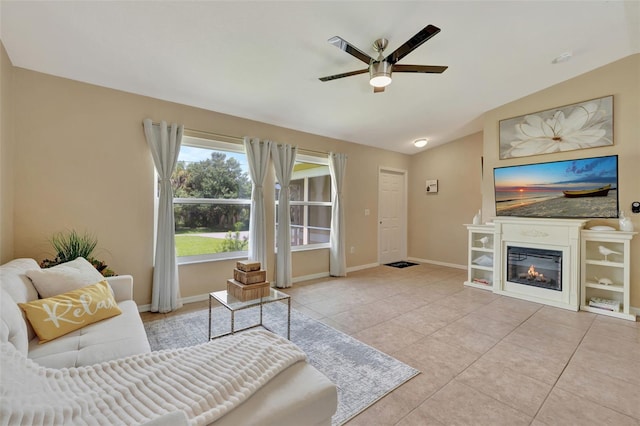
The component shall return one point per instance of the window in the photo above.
(310, 202)
(212, 200)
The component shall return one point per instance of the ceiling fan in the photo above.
(380, 69)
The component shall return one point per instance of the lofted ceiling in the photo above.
(261, 60)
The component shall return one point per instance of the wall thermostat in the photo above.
(432, 186)
(635, 207)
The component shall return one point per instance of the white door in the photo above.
(392, 216)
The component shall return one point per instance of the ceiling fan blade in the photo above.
(378, 89)
(346, 74)
(423, 35)
(342, 44)
(430, 69)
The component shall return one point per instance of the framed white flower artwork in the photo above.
(587, 124)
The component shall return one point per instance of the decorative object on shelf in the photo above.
(606, 304)
(477, 219)
(483, 260)
(483, 241)
(625, 223)
(71, 245)
(482, 281)
(582, 125)
(604, 281)
(606, 252)
(602, 228)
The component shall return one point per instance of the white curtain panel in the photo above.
(258, 156)
(164, 143)
(284, 158)
(337, 253)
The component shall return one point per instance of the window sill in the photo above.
(191, 260)
(310, 247)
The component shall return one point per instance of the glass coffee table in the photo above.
(234, 305)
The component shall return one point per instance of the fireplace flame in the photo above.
(532, 274)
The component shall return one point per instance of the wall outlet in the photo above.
(352, 250)
(367, 212)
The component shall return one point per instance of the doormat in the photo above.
(401, 264)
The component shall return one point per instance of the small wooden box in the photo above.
(247, 266)
(244, 292)
(252, 277)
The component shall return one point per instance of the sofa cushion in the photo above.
(13, 280)
(65, 277)
(12, 325)
(56, 316)
(117, 337)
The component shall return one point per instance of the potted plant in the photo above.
(71, 245)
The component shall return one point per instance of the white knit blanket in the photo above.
(205, 381)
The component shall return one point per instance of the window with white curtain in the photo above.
(310, 203)
(212, 200)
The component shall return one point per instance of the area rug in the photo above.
(401, 264)
(362, 374)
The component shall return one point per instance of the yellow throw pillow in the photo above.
(56, 316)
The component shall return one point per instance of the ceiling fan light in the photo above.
(419, 143)
(380, 73)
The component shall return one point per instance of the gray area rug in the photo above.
(362, 374)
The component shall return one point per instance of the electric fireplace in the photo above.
(538, 260)
(535, 267)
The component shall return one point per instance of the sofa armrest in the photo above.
(122, 286)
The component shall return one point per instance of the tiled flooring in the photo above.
(485, 359)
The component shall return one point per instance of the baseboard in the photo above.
(361, 267)
(310, 277)
(190, 299)
(635, 311)
(435, 262)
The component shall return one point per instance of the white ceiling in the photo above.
(261, 60)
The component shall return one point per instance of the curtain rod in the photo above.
(234, 139)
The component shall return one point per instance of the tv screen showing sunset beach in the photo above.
(583, 188)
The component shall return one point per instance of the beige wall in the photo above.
(436, 231)
(6, 156)
(620, 79)
(83, 163)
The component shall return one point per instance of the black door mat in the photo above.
(401, 264)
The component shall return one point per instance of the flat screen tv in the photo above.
(583, 188)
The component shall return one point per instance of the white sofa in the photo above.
(298, 395)
(117, 337)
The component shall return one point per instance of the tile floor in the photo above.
(485, 359)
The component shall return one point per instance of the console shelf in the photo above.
(615, 266)
(480, 256)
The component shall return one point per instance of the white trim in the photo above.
(204, 258)
(198, 142)
(308, 247)
(190, 299)
(361, 267)
(310, 277)
(436, 262)
(302, 158)
(227, 201)
(634, 310)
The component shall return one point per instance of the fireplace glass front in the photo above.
(535, 267)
